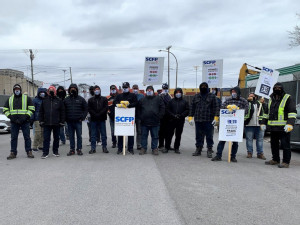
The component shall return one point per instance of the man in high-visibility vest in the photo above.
(19, 108)
(281, 119)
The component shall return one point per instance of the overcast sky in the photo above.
(105, 42)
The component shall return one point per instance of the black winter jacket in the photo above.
(97, 107)
(52, 111)
(177, 106)
(151, 110)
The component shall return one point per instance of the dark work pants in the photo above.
(285, 143)
(15, 128)
(130, 143)
(47, 137)
(175, 126)
(163, 131)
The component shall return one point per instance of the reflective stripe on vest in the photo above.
(280, 121)
(19, 111)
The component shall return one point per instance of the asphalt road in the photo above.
(133, 189)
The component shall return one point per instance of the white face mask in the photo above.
(213, 92)
(165, 91)
(17, 92)
(234, 95)
(42, 95)
(149, 93)
(178, 95)
(126, 90)
(113, 91)
(135, 91)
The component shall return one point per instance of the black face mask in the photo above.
(277, 92)
(73, 92)
(51, 93)
(203, 90)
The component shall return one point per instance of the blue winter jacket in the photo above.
(37, 101)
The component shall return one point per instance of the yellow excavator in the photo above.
(244, 72)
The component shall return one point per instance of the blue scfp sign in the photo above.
(124, 119)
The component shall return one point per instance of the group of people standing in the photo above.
(160, 114)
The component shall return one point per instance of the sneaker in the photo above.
(12, 156)
(271, 162)
(29, 155)
(71, 152)
(131, 151)
(92, 151)
(209, 153)
(114, 145)
(233, 160)
(35, 149)
(56, 154)
(44, 156)
(105, 150)
(261, 156)
(249, 155)
(142, 152)
(79, 152)
(216, 158)
(99, 143)
(198, 151)
(155, 151)
(177, 151)
(284, 165)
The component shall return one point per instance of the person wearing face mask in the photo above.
(130, 101)
(111, 113)
(63, 133)
(204, 110)
(51, 118)
(232, 103)
(151, 109)
(164, 122)
(76, 112)
(97, 108)
(38, 139)
(281, 120)
(19, 109)
(215, 91)
(177, 109)
(253, 118)
(138, 128)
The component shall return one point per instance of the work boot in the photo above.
(177, 151)
(105, 150)
(12, 156)
(233, 160)
(249, 155)
(283, 165)
(79, 152)
(131, 151)
(209, 153)
(71, 152)
(271, 162)
(92, 151)
(216, 158)
(155, 151)
(261, 156)
(142, 152)
(114, 145)
(119, 151)
(198, 151)
(29, 155)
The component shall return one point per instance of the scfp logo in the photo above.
(267, 70)
(124, 119)
(151, 59)
(209, 62)
(226, 111)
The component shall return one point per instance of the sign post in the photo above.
(124, 123)
(231, 127)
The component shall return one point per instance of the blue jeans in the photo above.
(95, 127)
(234, 149)
(250, 132)
(112, 131)
(47, 137)
(15, 128)
(75, 127)
(62, 134)
(204, 129)
(154, 136)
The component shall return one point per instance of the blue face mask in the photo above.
(149, 93)
(97, 92)
(178, 95)
(166, 91)
(126, 90)
(135, 91)
(42, 95)
(17, 92)
(113, 91)
(234, 95)
(213, 92)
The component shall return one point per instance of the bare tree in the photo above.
(294, 35)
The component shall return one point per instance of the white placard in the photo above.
(267, 79)
(153, 71)
(212, 73)
(124, 121)
(231, 125)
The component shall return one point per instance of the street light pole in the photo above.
(64, 78)
(168, 48)
(196, 67)
(32, 80)
(169, 66)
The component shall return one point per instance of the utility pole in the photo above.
(32, 80)
(196, 67)
(168, 48)
(64, 78)
(71, 75)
